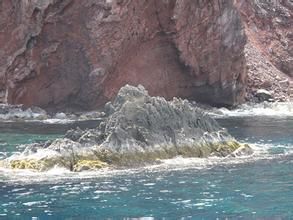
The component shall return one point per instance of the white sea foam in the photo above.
(279, 109)
(11, 113)
(261, 152)
(57, 121)
(33, 203)
(3, 155)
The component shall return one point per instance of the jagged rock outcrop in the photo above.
(68, 54)
(137, 130)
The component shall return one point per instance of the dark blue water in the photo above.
(260, 187)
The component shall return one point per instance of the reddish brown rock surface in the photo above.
(269, 50)
(69, 54)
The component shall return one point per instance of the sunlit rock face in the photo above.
(269, 56)
(138, 129)
(70, 54)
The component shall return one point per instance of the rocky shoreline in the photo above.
(137, 129)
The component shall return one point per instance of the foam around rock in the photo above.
(138, 129)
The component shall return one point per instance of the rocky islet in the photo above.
(137, 129)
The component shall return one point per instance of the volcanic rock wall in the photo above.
(269, 50)
(69, 54)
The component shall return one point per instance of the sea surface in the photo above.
(255, 187)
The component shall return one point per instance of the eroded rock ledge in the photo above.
(138, 129)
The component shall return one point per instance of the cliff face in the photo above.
(269, 49)
(69, 54)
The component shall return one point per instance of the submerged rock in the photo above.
(138, 129)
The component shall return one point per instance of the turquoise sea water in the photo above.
(257, 187)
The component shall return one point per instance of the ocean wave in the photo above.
(17, 113)
(12, 113)
(278, 109)
(261, 152)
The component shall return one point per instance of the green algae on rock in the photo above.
(138, 129)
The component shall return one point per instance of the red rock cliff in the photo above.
(69, 54)
(269, 49)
